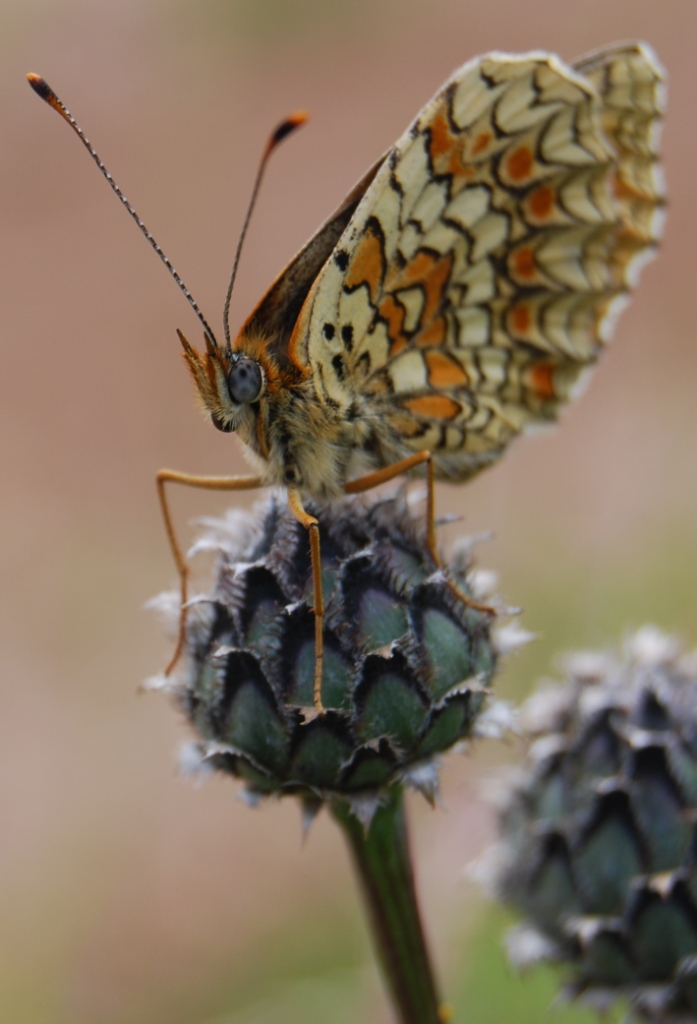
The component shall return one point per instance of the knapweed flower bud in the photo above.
(407, 661)
(599, 846)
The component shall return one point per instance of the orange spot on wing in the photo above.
(433, 335)
(540, 379)
(541, 202)
(523, 263)
(393, 314)
(429, 272)
(481, 142)
(520, 163)
(520, 319)
(433, 407)
(398, 344)
(444, 149)
(444, 372)
(367, 265)
(442, 139)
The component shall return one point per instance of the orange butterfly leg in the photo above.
(381, 476)
(209, 483)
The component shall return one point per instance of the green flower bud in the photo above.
(599, 846)
(407, 661)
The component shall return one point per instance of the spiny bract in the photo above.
(407, 662)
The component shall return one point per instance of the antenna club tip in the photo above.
(295, 120)
(41, 87)
(298, 118)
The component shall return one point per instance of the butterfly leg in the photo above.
(381, 476)
(209, 483)
(312, 526)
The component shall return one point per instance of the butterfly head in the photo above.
(229, 384)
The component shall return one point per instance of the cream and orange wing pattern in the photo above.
(478, 275)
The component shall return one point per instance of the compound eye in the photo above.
(244, 381)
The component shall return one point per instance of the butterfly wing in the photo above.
(277, 313)
(478, 275)
(630, 83)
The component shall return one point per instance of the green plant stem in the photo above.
(383, 863)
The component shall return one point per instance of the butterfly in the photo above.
(457, 296)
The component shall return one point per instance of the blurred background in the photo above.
(128, 894)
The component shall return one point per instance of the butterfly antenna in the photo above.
(278, 135)
(42, 89)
